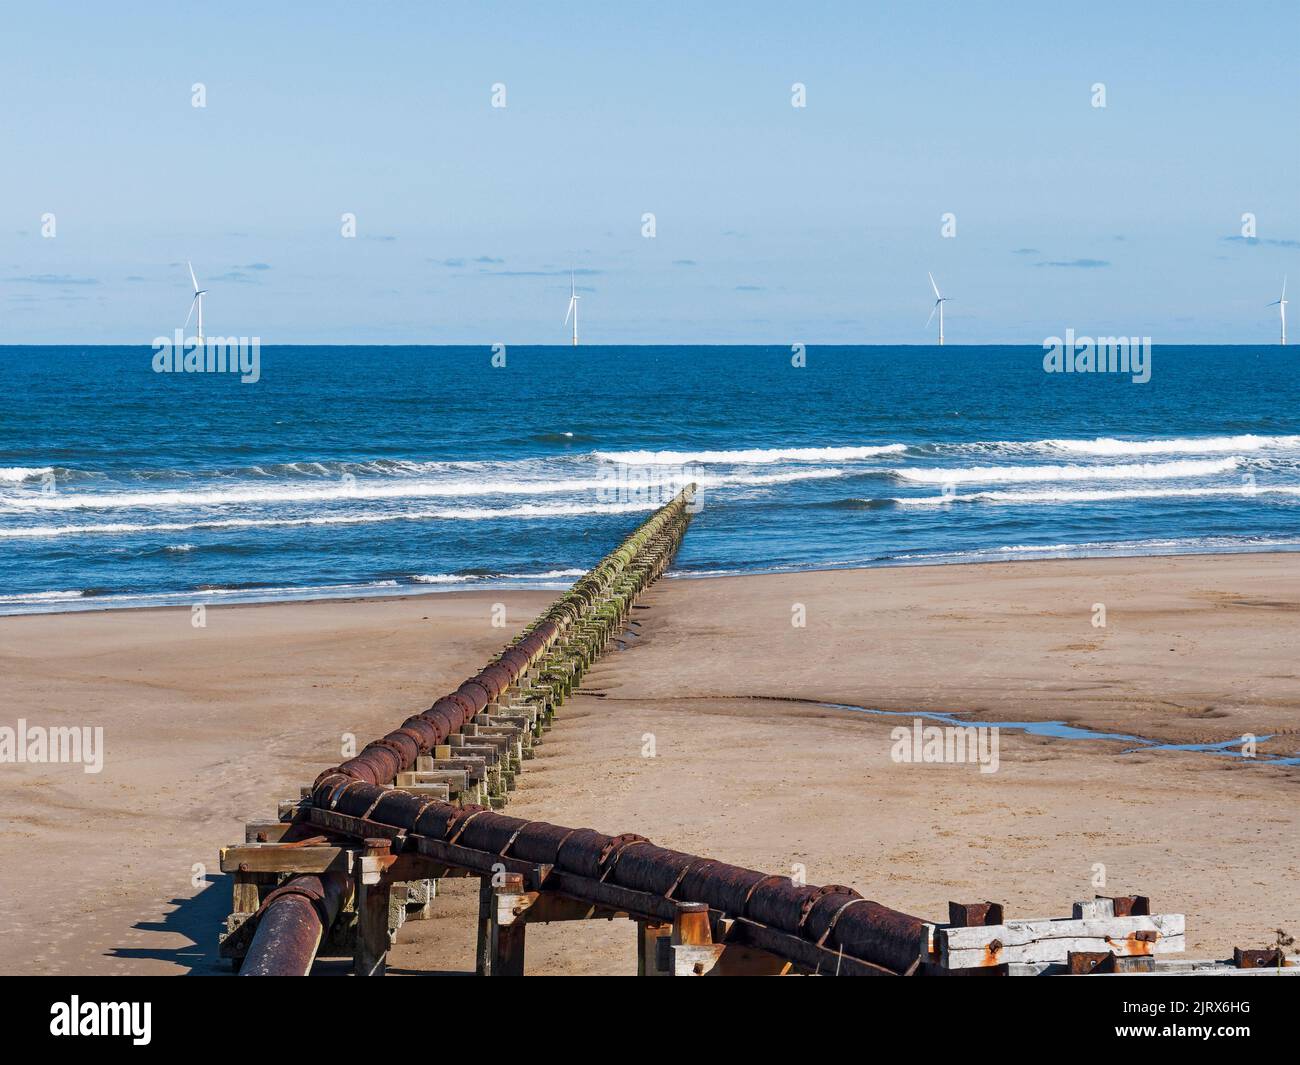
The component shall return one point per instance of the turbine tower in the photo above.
(1280, 304)
(573, 309)
(199, 293)
(939, 301)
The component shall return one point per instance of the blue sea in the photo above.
(351, 471)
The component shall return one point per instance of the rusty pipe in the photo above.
(833, 916)
(657, 537)
(295, 917)
(292, 922)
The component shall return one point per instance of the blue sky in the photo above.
(774, 224)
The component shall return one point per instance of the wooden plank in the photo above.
(273, 831)
(489, 753)
(1017, 933)
(1053, 940)
(1058, 950)
(428, 791)
(455, 779)
(474, 768)
(275, 858)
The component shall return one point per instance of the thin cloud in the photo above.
(541, 273)
(1076, 264)
(1257, 241)
(1025, 251)
(52, 279)
(684, 262)
(749, 288)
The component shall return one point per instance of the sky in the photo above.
(772, 223)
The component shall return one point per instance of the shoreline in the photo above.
(414, 590)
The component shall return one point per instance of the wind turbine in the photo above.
(939, 301)
(573, 308)
(1280, 304)
(199, 293)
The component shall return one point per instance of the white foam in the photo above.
(17, 474)
(81, 601)
(377, 491)
(1137, 471)
(459, 578)
(749, 456)
(1097, 496)
(527, 511)
(1106, 445)
(41, 597)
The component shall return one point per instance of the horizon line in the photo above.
(640, 344)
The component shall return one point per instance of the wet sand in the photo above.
(206, 728)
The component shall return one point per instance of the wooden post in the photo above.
(507, 933)
(647, 946)
(245, 895)
(373, 900)
(483, 951)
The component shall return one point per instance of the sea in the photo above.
(377, 470)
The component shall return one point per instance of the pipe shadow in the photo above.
(196, 920)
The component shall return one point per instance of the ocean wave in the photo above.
(41, 597)
(526, 511)
(399, 490)
(749, 456)
(1243, 543)
(1137, 471)
(102, 599)
(466, 578)
(1097, 495)
(1106, 445)
(18, 474)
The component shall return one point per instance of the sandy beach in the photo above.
(208, 727)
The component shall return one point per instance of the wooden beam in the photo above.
(278, 858)
(370, 957)
(1053, 940)
(507, 939)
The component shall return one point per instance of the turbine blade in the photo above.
(192, 277)
(569, 311)
(933, 285)
(194, 301)
(932, 312)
